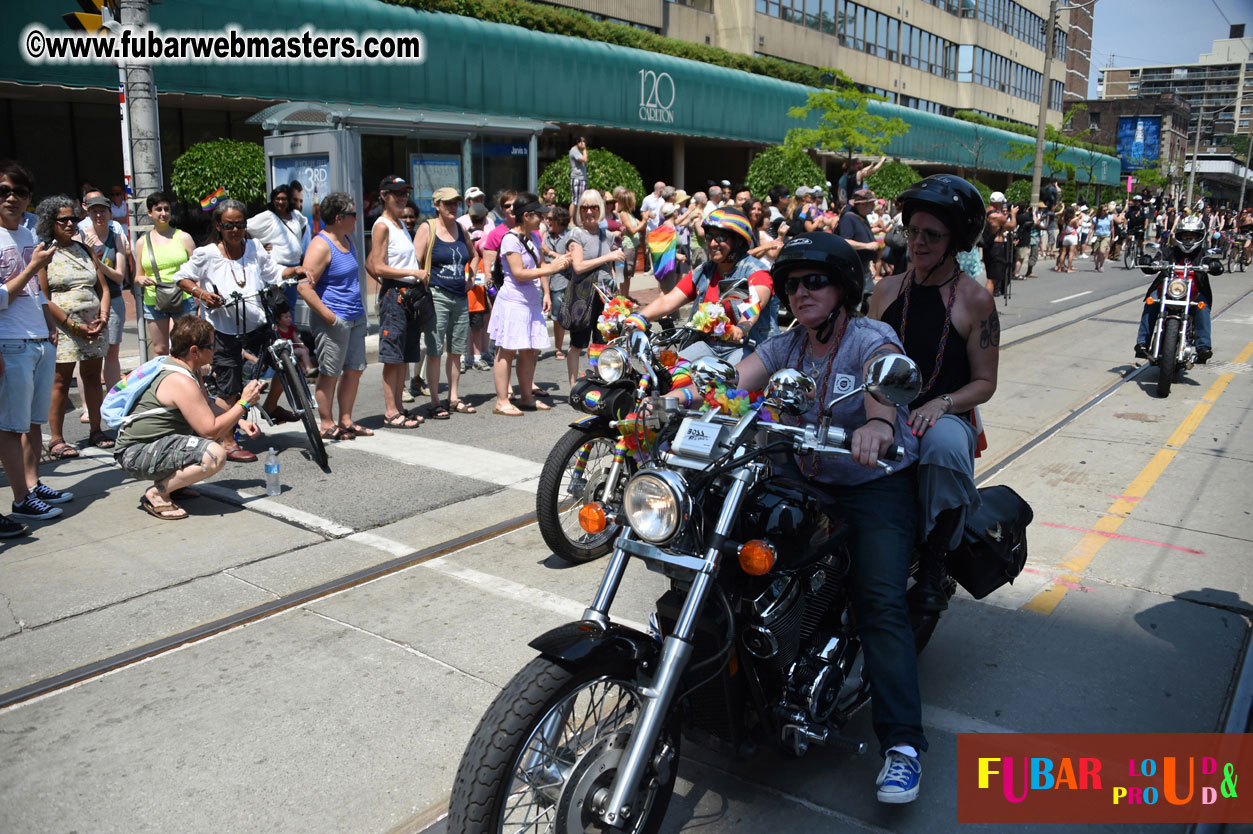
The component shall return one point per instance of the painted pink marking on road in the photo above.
(1130, 498)
(1124, 538)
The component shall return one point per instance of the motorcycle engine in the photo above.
(785, 617)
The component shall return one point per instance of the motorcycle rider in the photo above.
(1186, 247)
(728, 236)
(948, 324)
(819, 276)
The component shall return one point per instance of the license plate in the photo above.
(697, 438)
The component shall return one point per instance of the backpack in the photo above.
(115, 411)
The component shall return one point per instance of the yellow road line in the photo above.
(1081, 555)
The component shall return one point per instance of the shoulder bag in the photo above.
(580, 308)
(416, 299)
(169, 294)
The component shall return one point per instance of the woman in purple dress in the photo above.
(518, 325)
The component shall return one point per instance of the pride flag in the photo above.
(209, 202)
(663, 243)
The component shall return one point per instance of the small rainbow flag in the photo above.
(593, 355)
(750, 311)
(209, 202)
(663, 243)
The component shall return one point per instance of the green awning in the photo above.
(489, 70)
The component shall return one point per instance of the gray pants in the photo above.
(946, 474)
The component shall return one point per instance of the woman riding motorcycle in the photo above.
(1187, 246)
(819, 277)
(948, 323)
(728, 236)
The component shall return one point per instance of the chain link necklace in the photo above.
(948, 320)
(823, 390)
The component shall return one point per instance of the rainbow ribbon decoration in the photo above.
(663, 243)
(212, 200)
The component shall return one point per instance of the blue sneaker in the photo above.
(33, 508)
(51, 496)
(898, 781)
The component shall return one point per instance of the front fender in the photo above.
(585, 642)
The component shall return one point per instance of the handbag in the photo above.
(895, 238)
(416, 299)
(169, 294)
(994, 545)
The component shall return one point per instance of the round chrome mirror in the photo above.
(707, 370)
(894, 379)
(791, 391)
(641, 352)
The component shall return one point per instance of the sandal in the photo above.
(165, 512)
(561, 354)
(503, 413)
(62, 451)
(400, 420)
(337, 433)
(461, 408)
(438, 411)
(100, 440)
(535, 406)
(358, 431)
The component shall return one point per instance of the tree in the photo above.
(1053, 167)
(845, 124)
(976, 149)
(781, 165)
(893, 178)
(237, 167)
(605, 172)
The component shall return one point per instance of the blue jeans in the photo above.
(1200, 321)
(882, 514)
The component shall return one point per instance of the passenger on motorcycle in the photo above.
(728, 237)
(1186, 247)
(820, 279)
(948, 324)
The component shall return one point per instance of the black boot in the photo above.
(928, 592)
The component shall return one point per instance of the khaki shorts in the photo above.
(1100, 244)
(449, 329)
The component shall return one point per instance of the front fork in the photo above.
(659, 695)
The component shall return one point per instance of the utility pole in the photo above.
(1050, 29)
(1196, 145)
(1244, 176)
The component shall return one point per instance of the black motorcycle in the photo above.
(1172, 343)
(756, 639)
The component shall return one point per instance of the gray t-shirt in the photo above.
(862, 338)
(595, 246)
(559, 280)
(578, 168)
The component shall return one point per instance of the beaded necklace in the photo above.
(948, 320)
(823, 390)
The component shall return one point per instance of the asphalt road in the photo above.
(349, 713)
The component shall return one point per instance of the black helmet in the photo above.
(830, 253)
(954, 202)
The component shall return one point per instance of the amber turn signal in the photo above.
(592, 518)
(756, 557)
(668, 358)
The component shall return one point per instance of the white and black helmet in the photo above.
(1189, 234)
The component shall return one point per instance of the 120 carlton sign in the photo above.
(656, 97)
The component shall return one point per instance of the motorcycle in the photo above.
(593, 460)
(756, 638)
(1172, 344)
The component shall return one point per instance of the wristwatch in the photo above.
(948, 400)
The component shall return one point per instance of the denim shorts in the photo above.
(559, 297)
(340, 346)
(26, 384)
(153, 314)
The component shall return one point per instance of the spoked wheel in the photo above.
(1130, 253)
(544, 757)
(301, 402)
(577, 473)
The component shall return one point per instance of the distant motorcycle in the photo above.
(1172, 344)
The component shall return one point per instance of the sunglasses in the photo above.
(928, 235)
(203, 347)
(811, 282)
(718, 236)
(20, 192)
(66, 221)
(232, 226)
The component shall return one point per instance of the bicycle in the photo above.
(1131, 251)
(279, 356)
(1237, 254)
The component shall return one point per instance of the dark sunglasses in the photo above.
(20, 192)
(231, 225)
(66, 221)
(719, 236)
(811, 282)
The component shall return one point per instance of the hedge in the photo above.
(605, 172)
(778, 165)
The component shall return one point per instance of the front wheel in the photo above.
(1167, 357)
(1130, 254)
(576, 473)
(301, 402)
(547, 750)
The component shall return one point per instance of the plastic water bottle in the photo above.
(272, 485)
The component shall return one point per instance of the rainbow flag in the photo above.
(209, 202)
(663, 243)
(750, 311)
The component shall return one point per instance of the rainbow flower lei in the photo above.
(614, 314)
(711, 318)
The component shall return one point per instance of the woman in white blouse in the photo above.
(227, 266)
(282, 232)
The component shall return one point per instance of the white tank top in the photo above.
(400, 254)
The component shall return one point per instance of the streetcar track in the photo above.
(152, 649)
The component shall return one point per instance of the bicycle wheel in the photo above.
(1130, 252)
(301, 402)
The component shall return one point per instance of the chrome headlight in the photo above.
(1176, 288)
(612, 364)
(656, 504)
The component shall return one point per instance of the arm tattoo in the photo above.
(990, 331)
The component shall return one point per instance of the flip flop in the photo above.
(399, 420)
(461, 408)
(171, 512)
(62, 451)
(504, 413)
(358, 430)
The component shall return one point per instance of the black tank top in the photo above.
(922, 339)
